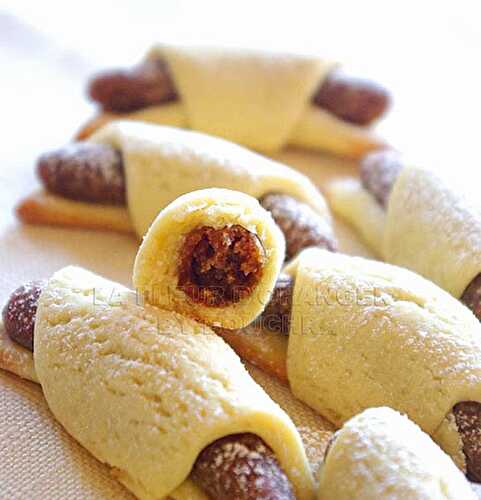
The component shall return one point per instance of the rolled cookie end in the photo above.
(301, 225)
(211, 249)
(84, 171)
(472, 296)
(468, 420)
(241, 466)
(20, 311)
(382, 454)
(277, 314)
(378, 171)
(354, 100)
(123, 91)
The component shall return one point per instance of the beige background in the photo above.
(426, 53)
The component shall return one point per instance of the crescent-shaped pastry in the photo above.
(162, 163)
(440, 230)
(365, 334)
(382, 454)
(427, 226)
(213, 255)
(258, 99)
(146, 390)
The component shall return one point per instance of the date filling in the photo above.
(219, 267)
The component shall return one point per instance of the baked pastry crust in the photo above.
(44, 208)
(382, 454)
(338, 137)
(122, 354)
(262, 348)
(156, 264)
(398, 340)
(270, 356)
(429, 226)
(266, 106)
(163, 163)
(439, 227)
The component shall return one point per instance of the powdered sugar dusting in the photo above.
(84, 171)
(301, 225)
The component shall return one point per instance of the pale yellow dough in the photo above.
(349, 200)
(162, 163)
(156, 265)
(365, 334)
(434, 230)
(429, 226)
(252, 98)
(381, 454)
(145, 390)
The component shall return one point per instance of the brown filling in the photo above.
(301, 225)
(219, 267)
(20, 311)
(378, 172)
(472, 296)
(468, 421)
(277, 313)
(243, 467)
(84, 171)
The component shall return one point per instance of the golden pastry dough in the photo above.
(428, 227)
(364, 334)
(257, 99)
(157, 261)
(319, 129)
(262, 348)
(162, 163)
(433, 230)
(349, 200)
(382, 454)
(46, 208)
(447, 434)
(145, 390)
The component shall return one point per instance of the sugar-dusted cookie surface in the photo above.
(382, 454)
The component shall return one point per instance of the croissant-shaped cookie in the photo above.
(258, 99)
(382, 454)
(213, 255)
(361, 333)
(415, 218)
(364, 334)
(156, 396)
(145, 167)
